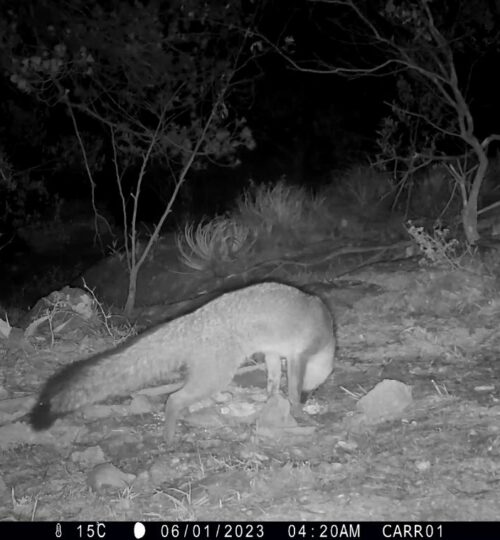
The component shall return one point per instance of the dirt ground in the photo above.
(436, 331)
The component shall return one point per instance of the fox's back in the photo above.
(267, 317)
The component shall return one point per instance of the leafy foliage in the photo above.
(21, 197)
(126, 65)
(438, 45)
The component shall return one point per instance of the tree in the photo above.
(142, 83)
(430, 47)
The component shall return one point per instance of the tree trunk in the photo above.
(469, 213)
(132, 289)
(469, 220)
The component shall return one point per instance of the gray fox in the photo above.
(276, 320)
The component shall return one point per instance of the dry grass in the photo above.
(267, 206)
(213, 244)
(364, 186)
(282, 210)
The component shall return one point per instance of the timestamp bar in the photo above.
(234, 530)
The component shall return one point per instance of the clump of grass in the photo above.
(281, 210)
(215, 243)
(265, 218)
(268, 206)
(364, 185)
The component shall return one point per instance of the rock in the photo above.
(61, 313)
(387, 401)
(90, 456)
(275, 414)
(107, 475)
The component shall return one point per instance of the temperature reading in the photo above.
(92, 530)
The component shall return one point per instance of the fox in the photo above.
(275, 320)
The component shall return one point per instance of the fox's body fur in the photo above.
(279, 321)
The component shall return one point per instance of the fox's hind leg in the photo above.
(200, 383)
(180, 400)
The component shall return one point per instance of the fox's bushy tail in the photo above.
(111, 373)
